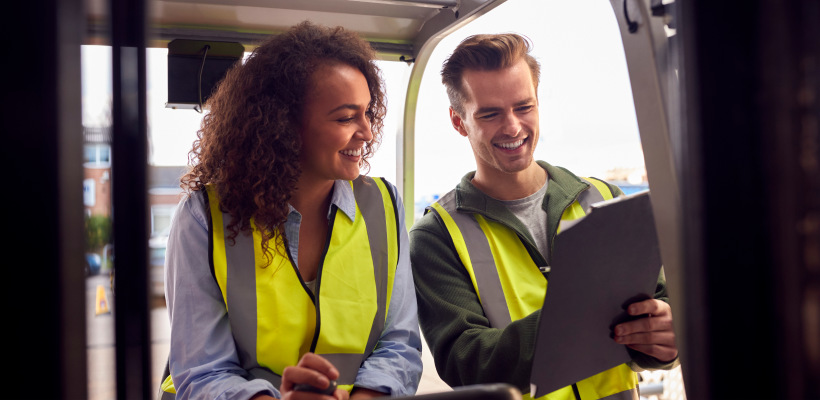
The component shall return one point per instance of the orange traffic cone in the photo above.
(101, 305)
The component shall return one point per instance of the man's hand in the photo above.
(312, 370)
(653, 334)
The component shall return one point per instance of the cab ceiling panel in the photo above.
(396, 28)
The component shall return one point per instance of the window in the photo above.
(161, 216)
(587, 116)
(97, 154)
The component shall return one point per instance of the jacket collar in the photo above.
(563, 189)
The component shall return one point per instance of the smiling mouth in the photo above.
(352, 153)
(510, 145)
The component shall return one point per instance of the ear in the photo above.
(458, 123)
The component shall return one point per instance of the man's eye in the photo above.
(524, 108)
(487, 116)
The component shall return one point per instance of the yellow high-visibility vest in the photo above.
(511, 286)
(275, 319)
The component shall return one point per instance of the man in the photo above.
(481, 322)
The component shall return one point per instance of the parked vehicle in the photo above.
(93, 263)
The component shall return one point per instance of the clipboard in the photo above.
(608, 260)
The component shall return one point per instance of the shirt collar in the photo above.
(342, 198)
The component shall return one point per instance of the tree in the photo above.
(97, 232)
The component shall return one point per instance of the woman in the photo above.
(285, 267)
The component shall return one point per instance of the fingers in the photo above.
(293, 376)
(646, 324)
(341, 394)
(658, 344)
(312, 370)
(658, 318)
(652, 307)
(666, 339)
(320, 364)
(297, 395)
(338, 394)
(662, 353)
(654, 334)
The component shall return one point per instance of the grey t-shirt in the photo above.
(529, 211)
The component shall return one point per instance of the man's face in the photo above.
(500, 118)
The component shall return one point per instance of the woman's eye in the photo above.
(345, 119)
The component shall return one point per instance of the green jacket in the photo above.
(466, 350)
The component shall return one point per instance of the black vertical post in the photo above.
(41, 130)
(130, 222)
(752, 198)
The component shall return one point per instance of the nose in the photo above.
(511, 124)
(364, 132)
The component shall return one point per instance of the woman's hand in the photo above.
(312, 370)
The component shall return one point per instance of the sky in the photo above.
(587, 116)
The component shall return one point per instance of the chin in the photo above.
(349, 176)
(515, 167)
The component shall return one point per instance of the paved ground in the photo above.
(100, 342)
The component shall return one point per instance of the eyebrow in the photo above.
(484, 110)
(353, 107)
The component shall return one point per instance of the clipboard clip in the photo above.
(545, 269)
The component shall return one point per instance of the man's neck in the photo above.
(510, 186)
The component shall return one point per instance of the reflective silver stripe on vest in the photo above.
(241, 292)
(347, 376)
(586, 199)
(631, 394)
(486, 275)
(369, 200)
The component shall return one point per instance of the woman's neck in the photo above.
(312, 198)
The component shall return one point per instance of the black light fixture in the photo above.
(194, 69)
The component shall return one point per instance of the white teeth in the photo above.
(511, 145)
(352, 153)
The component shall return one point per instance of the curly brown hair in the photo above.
(249, 145)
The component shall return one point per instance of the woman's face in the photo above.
(335, 125)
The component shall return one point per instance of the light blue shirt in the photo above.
(204, 362)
